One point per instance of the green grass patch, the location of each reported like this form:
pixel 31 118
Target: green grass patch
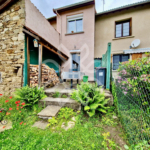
pixel 87 133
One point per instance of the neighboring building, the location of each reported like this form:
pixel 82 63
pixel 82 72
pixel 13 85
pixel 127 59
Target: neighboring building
pixel 69 40
pixel 121 26
pixel 76 25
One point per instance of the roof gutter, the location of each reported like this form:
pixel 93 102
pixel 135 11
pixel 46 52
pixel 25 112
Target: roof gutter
pixel 123 7
pixel 73 6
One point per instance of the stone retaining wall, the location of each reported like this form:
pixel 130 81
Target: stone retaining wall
pixel 12 20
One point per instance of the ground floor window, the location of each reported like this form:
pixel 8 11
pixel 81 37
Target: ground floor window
pixel 119 58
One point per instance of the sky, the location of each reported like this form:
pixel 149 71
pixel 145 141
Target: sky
pixel 46 6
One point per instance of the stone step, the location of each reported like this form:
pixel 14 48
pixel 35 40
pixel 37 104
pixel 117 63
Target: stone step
pixel 40 124
pixel 61 102
pixel 49 111
pixel 63 92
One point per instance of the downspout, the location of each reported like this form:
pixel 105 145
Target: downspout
pixel 61 27
pixel 60 38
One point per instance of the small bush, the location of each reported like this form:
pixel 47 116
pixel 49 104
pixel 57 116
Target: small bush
pixel 64 96
pixel 91 98
pixel 29 95
pixel 66 113
pixel 56 95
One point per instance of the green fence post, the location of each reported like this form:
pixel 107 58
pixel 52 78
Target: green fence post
pixel 108 66
pixel 103 60
pixel 25 72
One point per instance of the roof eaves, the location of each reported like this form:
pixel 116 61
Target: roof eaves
pixel 140 50
pixel 36 34
pixel 80 4
pixel 123 7
pixel 5 3
pixel 52 18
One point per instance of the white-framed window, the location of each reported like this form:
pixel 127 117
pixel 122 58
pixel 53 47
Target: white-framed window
pixel 75 23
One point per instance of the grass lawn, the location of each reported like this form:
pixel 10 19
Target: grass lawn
pixel 88 133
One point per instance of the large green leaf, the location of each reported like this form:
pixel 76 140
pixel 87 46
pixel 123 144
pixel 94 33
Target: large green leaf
pixel 91 113
pixel 94 106
pixel 102 110
pixel 86 108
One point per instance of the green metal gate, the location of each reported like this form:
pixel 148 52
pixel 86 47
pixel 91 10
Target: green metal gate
pixel 97 63
pixel 106 62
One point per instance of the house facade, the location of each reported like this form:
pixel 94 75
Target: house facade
pixel 121 27
pixel 77 36
pixel 69 41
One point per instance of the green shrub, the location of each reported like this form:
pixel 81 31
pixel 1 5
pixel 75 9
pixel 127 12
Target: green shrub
pixel 64 96
pixel 52 122
pixel 29 95
pixel 56 95
pixel 91 98
pixel 66 113
pixel 134 80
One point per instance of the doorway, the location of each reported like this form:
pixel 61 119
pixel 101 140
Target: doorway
pixel 75 62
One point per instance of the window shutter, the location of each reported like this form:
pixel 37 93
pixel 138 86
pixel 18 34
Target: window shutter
pixel 130 26
pixel 136 56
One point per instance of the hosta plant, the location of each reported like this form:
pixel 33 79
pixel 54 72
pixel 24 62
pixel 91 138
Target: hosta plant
pixel 30 95
pixel 91 98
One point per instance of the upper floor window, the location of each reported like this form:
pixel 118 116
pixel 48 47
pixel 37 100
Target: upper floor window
pixel 123 28
pixel 75 23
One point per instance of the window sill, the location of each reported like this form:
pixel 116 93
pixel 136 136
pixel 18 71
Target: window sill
pixel 114 71
pixel 74 33
pixel 123 37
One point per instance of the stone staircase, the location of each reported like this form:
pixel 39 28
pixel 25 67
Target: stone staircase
pixel 53 105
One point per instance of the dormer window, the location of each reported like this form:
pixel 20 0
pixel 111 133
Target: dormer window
pixel 75 23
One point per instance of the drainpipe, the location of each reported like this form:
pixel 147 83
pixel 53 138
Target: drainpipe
pixel 60 38
pixel 60 24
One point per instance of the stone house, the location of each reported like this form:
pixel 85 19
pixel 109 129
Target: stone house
pixel 73 39
pixel 20 24
pixel 12 18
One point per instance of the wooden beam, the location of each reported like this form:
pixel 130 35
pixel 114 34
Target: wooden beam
pixel 28 61
pixel 5 3
pixel 31 34
pixel 52 50
pixel 40 65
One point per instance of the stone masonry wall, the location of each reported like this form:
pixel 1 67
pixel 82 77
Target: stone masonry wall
pixel 12 20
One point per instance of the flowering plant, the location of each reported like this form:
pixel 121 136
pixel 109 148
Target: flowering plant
pixel 134 80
